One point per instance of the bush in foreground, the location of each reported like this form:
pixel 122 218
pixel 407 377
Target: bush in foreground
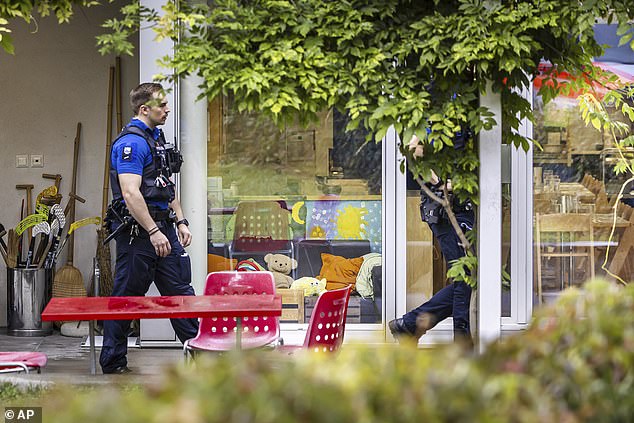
pixel 573 364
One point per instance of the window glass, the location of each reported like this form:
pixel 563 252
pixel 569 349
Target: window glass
pixel 303 202
pixel 575 189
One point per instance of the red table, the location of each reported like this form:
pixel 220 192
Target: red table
pixel 175 307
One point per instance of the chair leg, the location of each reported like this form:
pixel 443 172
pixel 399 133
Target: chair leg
pixel 186 354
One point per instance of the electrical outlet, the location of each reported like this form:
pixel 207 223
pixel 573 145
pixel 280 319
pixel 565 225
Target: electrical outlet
pixel 37 160
pixel 22 160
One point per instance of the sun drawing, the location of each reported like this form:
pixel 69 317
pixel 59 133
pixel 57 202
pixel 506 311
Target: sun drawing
pixel 350 222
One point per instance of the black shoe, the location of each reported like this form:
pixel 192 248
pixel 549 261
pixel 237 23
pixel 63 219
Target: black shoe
pixel 121 370
pixel 400 331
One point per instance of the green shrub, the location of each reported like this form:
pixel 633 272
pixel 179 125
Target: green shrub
pixel 14 394
pixel 580 351
pixel 573 364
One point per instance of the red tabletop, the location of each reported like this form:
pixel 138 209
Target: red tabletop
pixel 127 308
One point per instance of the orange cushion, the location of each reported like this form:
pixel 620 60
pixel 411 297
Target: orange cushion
pixel 339 271
pixel 216 263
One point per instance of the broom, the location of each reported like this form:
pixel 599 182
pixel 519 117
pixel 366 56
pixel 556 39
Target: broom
pixel 69 281
pixel 106 283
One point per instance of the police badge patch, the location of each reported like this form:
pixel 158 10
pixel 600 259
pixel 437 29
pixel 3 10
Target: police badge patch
pixel 126 153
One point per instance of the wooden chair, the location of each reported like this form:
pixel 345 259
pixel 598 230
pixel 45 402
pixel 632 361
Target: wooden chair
pixel 216 334
pixel 327 323
pixel 575 239
pixel 622 263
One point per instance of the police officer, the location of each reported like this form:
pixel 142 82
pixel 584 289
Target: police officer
pixel 454 299
pixel 150 249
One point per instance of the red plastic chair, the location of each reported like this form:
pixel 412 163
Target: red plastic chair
pixel 22 361
pixel 219 334
pixel 327 323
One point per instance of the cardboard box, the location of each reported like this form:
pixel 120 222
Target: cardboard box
pixel 354 309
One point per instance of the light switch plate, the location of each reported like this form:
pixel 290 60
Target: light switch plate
pixel 22 160
pixel 37 160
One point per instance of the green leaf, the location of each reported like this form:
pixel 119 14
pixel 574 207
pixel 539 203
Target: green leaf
pixel 6 43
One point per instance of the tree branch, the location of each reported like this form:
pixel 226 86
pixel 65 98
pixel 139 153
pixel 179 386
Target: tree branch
pixel 444 202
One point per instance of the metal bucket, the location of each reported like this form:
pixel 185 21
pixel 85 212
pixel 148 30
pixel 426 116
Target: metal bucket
pixel 28 292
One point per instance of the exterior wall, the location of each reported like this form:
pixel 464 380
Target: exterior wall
pixel 56 79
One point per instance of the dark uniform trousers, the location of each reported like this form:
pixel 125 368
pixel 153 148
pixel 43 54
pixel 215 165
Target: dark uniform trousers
pixel 454 299
pixel 136 268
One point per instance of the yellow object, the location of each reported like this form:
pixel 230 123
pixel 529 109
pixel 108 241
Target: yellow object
pixel 351 223
pixel 42 209
pixel 46 192
pixel 30 221
pixel 310 286
pixel 83 222
pixel 295 212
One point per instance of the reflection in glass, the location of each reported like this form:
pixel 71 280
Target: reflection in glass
pixel 304 202
pixel 575 189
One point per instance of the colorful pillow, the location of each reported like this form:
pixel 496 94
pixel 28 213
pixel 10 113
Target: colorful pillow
pixel 249 265
pixel 338 271
pixel 216 263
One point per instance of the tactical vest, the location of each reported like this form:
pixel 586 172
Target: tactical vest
pixel 155 182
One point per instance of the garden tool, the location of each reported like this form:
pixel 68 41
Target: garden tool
pixel 103 251
pixel 48 196
pixel 57 177
pixel 12 249
pixel 29 204
pixel 69 281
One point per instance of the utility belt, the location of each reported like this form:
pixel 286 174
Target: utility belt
pixel 432 211
pixel 118 220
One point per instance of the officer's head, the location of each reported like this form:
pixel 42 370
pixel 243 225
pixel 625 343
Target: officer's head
pixel 149 104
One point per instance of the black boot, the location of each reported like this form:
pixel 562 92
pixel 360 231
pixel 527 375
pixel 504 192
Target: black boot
pixel 400 332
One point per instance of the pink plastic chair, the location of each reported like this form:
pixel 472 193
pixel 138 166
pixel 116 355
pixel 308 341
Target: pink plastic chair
pixel 327 323
pixel 22 361
pixel 219 334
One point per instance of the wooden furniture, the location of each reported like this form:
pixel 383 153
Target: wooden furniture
pixel 174 307
pixel 292 305
pixel 622 263
pixel 574 238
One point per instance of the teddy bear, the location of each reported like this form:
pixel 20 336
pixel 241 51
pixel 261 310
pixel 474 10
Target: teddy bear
pixel 281 267
pixel 311 286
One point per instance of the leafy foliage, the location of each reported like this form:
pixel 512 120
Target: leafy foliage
pixel 575 363
pixel 10 393
pixel 580 351
pixel 25 10
pixel 419 66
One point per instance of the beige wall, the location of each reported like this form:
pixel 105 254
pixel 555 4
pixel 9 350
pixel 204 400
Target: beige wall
pixel 56 79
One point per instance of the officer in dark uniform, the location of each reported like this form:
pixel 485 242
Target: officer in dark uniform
pixel 146 220
pixel 453 300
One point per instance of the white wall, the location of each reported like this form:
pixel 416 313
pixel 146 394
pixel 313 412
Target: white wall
pixel 56 79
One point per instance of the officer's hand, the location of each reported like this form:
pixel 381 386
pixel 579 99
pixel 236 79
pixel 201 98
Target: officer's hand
pixel 161 244
pixel 184 235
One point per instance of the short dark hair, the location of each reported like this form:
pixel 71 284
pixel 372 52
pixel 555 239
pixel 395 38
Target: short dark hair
pixel 143 94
